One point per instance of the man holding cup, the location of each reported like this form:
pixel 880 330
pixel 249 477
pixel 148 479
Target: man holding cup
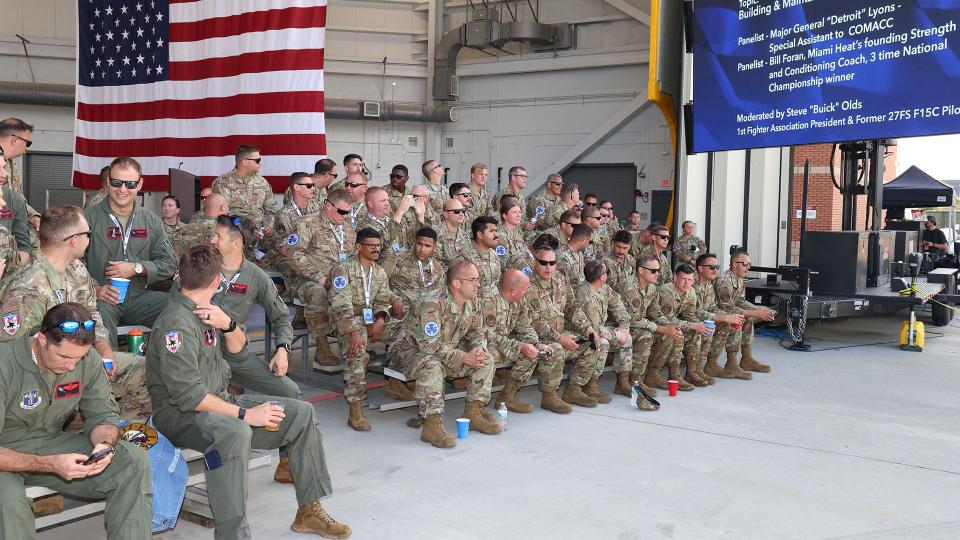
pixel 732 298
pixel 128 250
pixel 718 322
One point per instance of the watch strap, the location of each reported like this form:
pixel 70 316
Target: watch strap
pixel 241 413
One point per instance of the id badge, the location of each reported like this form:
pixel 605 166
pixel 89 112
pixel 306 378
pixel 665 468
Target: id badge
pixel 343 256
pixel 367 315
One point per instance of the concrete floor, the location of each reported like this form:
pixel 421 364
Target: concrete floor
pixel 853 443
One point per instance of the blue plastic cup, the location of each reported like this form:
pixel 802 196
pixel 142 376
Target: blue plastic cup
pixel 108 364
pixel 122 285
pixel 463 426
pixel 711 326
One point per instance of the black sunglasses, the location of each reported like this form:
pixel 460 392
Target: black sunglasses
pixel 457 210
pixel 662 236
pixel 590 203
pixel 255 160
pixel 464 194
pixel 711 266
pixel 353 185
pixel 397 176
pixel 308 186
pixel 25 141
pixel 339 211
pixel 542 262
pixel 84 233
pixel 651 270
pixel 131 184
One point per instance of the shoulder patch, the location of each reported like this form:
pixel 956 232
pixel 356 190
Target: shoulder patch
pixel 11 323
pixel 293 239
pixel 339 282
pixel 141 435
pixel 527 270
pixel 500 250
pixel 172 341
pixel 539 211
pixel 491 321
pixel 534 304
pixel 431 329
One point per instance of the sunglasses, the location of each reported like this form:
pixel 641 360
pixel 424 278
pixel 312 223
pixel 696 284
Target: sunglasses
pixel 203 198
pixel 397 176
pixel 542 262
pixel 464 194
pixel 651 270
pixel 333 174
pixel 339 211
pixel 308 186
pixel 255 160
pixel 662 236
pixel 84 233
pixel 578 206
pixel 71 327
pixel 25 141
pixel 570 223
pixel 590 204
pixel 131 184
pixel 711 266
pixel 555 183
pixel 353 184
pixel 457 210
pixel 438 166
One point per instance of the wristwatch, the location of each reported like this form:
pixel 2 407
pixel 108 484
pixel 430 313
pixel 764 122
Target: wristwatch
pixel 232 327
pixel 282 346
pixel 138 268
pixel 241 413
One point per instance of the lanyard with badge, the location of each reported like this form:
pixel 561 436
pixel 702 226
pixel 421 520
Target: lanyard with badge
pixel 126 234
pixel 367 285
pixel 296 208
pixel 340 238
pixel 423 278
pixel 223 279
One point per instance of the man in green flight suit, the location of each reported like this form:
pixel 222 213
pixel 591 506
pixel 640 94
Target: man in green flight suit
pixel 44 378
pixel 127 241
pixel 187 375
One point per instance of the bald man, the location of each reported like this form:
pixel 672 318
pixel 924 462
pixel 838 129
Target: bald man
pixel 201 227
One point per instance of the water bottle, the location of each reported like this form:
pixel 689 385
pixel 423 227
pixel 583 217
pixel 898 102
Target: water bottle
pixel 634 394
pixel 502 412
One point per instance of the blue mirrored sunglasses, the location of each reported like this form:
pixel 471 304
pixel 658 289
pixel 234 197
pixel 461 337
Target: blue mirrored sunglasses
pixel 71 327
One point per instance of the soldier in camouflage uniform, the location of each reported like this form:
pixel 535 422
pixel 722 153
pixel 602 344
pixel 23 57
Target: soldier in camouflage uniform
pixel 15 137
pixel 102 194
pixel 482 253
pixel 320 241
pixel 360 304
pixel 541 208
pixel 600 303
pixel 678 307
pixel 710 345
pixel 516 181
pixel 324 173
pixel 620 264
pixel 444 336
pixel 510 244
pixel 397 188
pixel 414 213
pixel 202 225
pixel 355 184
pixel 439 195
pixel 479 199
pixel 608 223
pixel 452 235
pixel 591 218
pixel 556 213
pixel 303 202
pixel 564 227
pixel 379 218
pixel 731 298
pixel 56 275
pixel 659 238
pixel 248 194
pixel 416 274
pixel 688 247
pixel 14 240
pixel 570 258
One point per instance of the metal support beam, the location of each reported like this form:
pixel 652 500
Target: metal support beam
pixel 432 133
pixel 591 141
pixel 630 10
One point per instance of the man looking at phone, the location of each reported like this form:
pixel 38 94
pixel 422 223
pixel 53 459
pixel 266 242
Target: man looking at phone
pixel 47 376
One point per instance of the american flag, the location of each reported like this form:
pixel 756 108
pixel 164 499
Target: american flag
pixel 171 81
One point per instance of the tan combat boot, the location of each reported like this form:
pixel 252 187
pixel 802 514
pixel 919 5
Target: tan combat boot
pixel 638 377
pixel 692 376
pixel 282 474
pixel 509 396
pixel 397 390
pixel 323 355
pixel 550 402
pixel 749 363
pixel 712 368
pixel 623 384
pixel 710 380
pixel 478 422
pixel 592 389
pixel 573 394
pixel 654 376
pixel 434 433
pixel 675 375
pixel 312 519
pixel 356 419
pixel 732 371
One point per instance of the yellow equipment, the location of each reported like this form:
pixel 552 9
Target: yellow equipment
pixel 912 334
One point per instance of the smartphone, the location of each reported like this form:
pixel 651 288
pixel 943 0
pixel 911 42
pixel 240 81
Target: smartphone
pixel 97 456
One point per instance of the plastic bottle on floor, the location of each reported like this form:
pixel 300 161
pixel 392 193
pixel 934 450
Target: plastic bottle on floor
pixel 502 412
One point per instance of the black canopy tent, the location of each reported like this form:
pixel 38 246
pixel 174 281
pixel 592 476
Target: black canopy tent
pixel 916 189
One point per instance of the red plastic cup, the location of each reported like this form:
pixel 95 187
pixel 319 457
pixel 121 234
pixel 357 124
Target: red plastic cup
pixel 736 326
pixel 672 387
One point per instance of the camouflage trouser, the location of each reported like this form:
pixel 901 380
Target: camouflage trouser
pixel 551 369
pixel 355 368
pixel 315 308
pixel 742 337
pixel 588 363
pixel 713 346
pixel 642 345
pixel 429 371
pixel 130 386
pixel 666 351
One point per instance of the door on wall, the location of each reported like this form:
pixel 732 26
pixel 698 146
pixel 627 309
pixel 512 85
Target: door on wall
pixel 614 182
pixel 47 180
pixel 660 205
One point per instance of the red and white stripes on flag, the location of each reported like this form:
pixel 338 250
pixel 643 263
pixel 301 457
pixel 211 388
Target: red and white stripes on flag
pixel 237 72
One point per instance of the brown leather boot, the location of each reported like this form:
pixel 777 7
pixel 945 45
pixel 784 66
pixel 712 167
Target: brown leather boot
pixel 675 375
pixel 356 419
pixel 550 402
pixel 282 474
pixel 434 433
pixel 710 380
pixel 654 377
pixel 460 383
pixel 478 422
pixel 592 389
pixel 46 506
pixel 509 396
pixel 623 384
pixel 312 519
pixel 712 368
pixel 573 394
pixel 299 320
pixel 323 355
pixel 637 376
pixel 692 376
pixel 732 371
pixel 397 390
pixel 749 363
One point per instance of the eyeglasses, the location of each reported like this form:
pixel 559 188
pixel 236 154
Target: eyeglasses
pixel 131 184
pixel 662 236
pixel 651 270
pixel 354 184
pixel 710 266
pixel 339 211
pixel 476 279
pixel 421 196
pixel 397 176
pixel 71 327
pixel 333 174
pixel 594 217
pixel 463 194
pixel 308 186
pixel 255 160
pixel 84 233
pixel 741 263
pixel 438 166
pixel 570 223
pixel 27 142
pixel 519 175
pixel 457 210
pixel 371 246
pixel 542 262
